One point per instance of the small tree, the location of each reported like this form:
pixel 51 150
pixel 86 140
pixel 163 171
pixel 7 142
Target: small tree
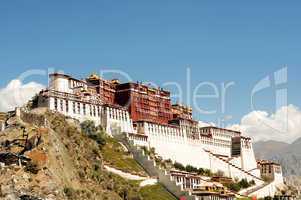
pixel 190 168
pixel 201 171
pixel 96 133
pixel 179 166
pixel 207 172
pixel 233 187
pixel 244 183
pixel 252 182
pixel 88 127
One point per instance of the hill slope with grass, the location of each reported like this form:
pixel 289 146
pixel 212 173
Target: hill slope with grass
pixel 58 158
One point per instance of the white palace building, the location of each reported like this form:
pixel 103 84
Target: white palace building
pixel 182 139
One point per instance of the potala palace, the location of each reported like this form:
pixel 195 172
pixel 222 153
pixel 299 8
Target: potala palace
pixel 149 119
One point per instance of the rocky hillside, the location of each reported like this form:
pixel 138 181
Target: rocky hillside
pixel 46 156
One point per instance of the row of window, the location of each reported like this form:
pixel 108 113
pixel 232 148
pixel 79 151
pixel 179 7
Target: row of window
pixel 143 139
pixel 87 109
pixel 74 83
pixel 118 115
pixel 266 169
pixel 184 180
pixel 223 135
pixel 164 129
pixel 94 111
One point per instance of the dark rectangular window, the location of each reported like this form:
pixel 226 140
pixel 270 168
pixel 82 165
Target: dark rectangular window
pixel 61 105
pixel 74 108
pixel 55 104
pixel 78 108
pixel 67 106
pixel 84 108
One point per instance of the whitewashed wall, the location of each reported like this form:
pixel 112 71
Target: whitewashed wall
pixel 79 113
pixel 269 190
pixel 60 83
pixel 172 143
pixel 117 120
pixel 248 159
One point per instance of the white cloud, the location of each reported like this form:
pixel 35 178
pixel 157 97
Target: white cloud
pixel 17 94
pixel 283 125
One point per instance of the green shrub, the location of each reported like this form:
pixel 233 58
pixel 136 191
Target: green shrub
pixel 88 127
pixel 179 166
pixel 207 172
pixel 95 133
pixel 190 168
pixel 234 187
pixel 244 183
pixel 201 171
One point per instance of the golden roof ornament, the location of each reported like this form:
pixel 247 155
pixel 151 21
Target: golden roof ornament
pixel 94 76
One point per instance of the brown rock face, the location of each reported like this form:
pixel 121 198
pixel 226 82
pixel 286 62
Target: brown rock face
pixel 38 157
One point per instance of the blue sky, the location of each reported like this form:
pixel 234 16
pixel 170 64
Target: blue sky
pixel 220 41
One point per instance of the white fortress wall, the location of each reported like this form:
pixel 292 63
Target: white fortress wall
pixel 76 110
pixel 278 178
pixel 236 161
pixel 180 151
pixel 116 119
pixel 269 190
pixel 59 83
pixel 65 83
pixel 139 140
pixel 248 159
pixel 172 143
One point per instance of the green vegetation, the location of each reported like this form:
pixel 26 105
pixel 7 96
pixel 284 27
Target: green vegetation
pixel 189 168
pixel 155 192
pixel 115 155
pixel 242 184
pixel 167 164
pixel 179 166
pixel 93 132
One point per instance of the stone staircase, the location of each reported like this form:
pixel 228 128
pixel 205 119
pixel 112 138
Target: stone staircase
pixel 247 191
pixel 234 166
pixel 153 170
